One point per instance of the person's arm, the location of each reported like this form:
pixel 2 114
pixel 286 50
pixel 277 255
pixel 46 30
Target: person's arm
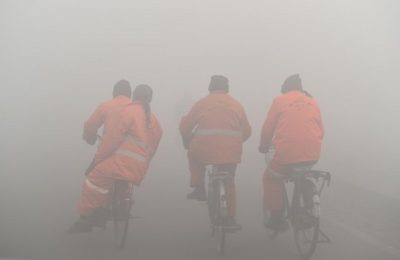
pixel 320 122
pixel 188 123
pixel 92 124
pixel 155 137
pixel 268 129
pixel 245 126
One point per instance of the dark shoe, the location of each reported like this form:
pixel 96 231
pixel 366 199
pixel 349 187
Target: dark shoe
pixel 277 222
pixel 82 225
pixel 199 193
pixel 99 217
pixel 231 224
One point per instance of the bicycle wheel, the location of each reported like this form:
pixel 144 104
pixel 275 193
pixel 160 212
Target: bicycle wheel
pixel 221 234
pixel 211 204
pixel 305 227
pixel 121 208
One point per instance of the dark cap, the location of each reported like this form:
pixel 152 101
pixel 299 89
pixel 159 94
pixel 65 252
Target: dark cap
pixel 292 83
pixel 219 82
pixel 122 88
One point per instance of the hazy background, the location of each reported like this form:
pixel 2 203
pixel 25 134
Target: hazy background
pixel 60 59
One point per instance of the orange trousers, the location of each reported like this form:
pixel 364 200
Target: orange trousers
pixel 95 192
pixel 274 186
pixel 197 178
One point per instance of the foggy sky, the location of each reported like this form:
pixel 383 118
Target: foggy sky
pixel 59 60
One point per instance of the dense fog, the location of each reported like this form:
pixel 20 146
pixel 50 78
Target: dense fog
pixel 60 59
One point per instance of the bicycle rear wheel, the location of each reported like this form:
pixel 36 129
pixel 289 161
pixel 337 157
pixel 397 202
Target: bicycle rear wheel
pixel 305 225
pixel 121 208
pixel 307 239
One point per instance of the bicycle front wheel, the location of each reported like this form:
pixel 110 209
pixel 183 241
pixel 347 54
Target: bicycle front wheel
pixel 121 226
pixel 307 239
pixel 221 234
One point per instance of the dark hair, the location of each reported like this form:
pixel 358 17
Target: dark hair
pixel 144 93
pixel 122 88
pixel 292 83
pixel 219 82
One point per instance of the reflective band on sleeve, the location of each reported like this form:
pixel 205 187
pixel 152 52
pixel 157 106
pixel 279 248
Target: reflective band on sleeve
pixel 133 140
pixel 227 132
pixel 131 154
pixel 96 188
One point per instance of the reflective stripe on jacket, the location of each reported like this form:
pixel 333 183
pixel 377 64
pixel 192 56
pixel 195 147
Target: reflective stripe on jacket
pixel 129 144
pixel 218 126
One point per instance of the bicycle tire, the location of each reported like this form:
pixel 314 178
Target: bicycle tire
pixel 221 241
pixel 307 252
pixel 121 208
pixel 211 206
pixel 310 234
pixel 121 227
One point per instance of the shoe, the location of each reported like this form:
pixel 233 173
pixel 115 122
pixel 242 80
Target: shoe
pixel 82 225
pixel 277 222
pixel 99 217
pixel 231 224
pixel 199 193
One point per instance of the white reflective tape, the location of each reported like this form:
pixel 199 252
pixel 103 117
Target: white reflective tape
pixel 131 154
pixel 133 140
pixel 96 188
pixel 227 132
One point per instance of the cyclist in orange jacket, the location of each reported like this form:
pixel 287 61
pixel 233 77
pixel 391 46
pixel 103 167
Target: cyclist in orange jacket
pixel 294 128
pixel 213 132
pixel 131 137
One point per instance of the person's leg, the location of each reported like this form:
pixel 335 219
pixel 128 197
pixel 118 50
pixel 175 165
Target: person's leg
pixel 230 194
pixel 274 196
pixel 197 179
pixel 94 196
pixel 95 192
pixel 273 188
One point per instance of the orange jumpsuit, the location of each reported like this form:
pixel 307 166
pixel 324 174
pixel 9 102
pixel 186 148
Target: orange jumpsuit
pixel 128 145
pixel 217 125
pixel 294 127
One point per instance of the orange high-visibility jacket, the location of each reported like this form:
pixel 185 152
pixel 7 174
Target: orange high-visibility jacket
pixel 294 126
pixel 128 144
pixel 104 115
pixel 218 125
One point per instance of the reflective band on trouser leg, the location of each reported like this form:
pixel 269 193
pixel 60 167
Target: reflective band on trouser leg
pixel 226 132
pixel 133 140
pixel 131 154
pixel 96 188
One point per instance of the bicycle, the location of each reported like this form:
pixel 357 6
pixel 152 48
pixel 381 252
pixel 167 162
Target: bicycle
pixel 303 211
pixel 217 205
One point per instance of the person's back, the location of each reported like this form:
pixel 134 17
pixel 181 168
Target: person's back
pixel 220 128
pixel 297 129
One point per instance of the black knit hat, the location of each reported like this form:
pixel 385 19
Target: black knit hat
pixel 219 82
pixel 122 88
pixel 292 83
